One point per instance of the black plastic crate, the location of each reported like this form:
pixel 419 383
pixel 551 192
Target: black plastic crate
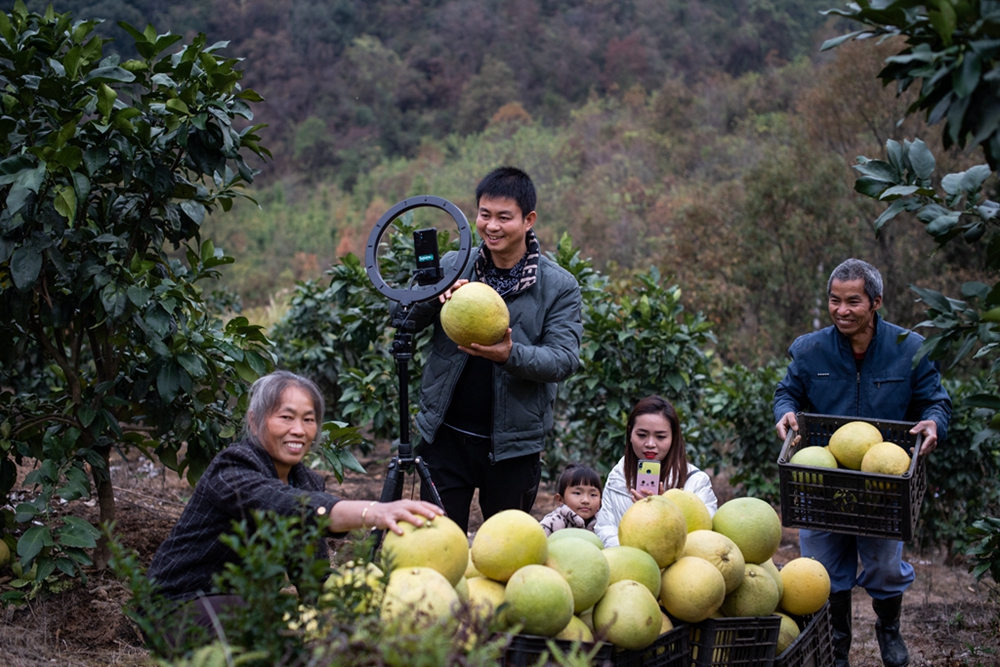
pixel 669 650
pixel 746 641
pixel 814 645
pixel 526 650
pixel 850 501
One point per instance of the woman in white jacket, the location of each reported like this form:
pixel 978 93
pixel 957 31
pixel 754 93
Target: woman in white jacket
pixel 653 433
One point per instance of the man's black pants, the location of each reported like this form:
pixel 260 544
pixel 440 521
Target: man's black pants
pixel 459 463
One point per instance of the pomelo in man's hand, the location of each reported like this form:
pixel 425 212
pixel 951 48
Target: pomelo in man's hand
pixel 475 313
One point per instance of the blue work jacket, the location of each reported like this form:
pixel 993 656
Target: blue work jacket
pixel 824 378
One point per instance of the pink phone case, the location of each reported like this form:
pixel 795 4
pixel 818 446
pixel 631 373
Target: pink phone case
pixel 648 477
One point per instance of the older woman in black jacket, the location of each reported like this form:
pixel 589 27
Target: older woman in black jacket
pixel 263 471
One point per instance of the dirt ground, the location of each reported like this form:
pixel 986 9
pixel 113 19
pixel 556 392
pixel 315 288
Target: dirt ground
pixel 949 619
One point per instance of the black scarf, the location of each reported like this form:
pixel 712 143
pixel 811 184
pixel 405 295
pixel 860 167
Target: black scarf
pixel 518 279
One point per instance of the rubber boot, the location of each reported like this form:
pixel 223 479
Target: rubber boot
pixel 890 642
pixel 840 613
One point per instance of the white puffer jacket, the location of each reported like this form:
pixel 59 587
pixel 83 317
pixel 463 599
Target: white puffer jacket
pixel 616 499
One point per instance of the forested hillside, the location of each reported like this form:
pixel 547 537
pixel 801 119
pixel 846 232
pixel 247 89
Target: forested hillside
pixel 708 138
pixel 349 82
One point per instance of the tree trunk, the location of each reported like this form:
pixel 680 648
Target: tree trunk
pixel 106 502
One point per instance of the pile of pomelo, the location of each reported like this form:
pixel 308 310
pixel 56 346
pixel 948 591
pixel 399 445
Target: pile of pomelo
pixel 674 562
pixel 856 445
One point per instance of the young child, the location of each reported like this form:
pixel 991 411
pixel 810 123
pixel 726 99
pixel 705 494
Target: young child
pixel 653 433
pixel 580 495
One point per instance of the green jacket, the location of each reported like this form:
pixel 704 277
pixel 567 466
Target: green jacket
pixel 545 330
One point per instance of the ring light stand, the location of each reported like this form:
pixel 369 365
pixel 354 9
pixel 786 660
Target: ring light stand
pixel 402 346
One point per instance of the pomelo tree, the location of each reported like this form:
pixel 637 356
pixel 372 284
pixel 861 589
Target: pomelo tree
pixel 107 170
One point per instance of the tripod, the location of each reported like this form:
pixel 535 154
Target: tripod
pixel 429 281
pixel 404 462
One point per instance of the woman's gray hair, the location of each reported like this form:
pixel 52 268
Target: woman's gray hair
pixel 265 399
pixel 853 269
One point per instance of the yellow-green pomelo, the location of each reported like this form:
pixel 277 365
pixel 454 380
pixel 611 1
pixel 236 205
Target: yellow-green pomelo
pixel 462 588
pixel 628 615
pixel 470 569
pixel 666 625
pixel 576 631
pixel 583 567
pixel 806 586
pixel 816 457
pixel 655 525
pixel 850 442
pixel 696 513
pixel 692 589
pixel 886 458
pixel 417 598
pixel 508 541
pixel 772 570
pixel 4 554
pixel 635 564
pixel 578 533
pixel 756 596
pixel 439 543
pixel 485 596
pixel 787 633
pixel 720 551
pixel 475 313
pixel 359 582
pixel 752 524
pixel 588 618
pixel 539 600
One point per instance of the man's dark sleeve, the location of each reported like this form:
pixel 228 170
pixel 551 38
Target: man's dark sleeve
pixel 790 394
pixel 930 400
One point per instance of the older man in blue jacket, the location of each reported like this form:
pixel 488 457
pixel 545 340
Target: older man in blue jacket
pixel 861 367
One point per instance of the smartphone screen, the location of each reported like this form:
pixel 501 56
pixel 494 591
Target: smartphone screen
pixel 648 477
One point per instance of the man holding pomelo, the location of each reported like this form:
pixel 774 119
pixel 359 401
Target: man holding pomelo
pixel 859 367
pixel 485 409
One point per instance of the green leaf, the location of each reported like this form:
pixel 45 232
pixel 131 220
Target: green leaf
pixel 25 265
pixel 871 187
pixel 106 99
pixel 973 179
pixel 249 95
pixel 966 77
pixel 943 20
pixel 837 41
pixel 168 381
pixel 878 170
pixel 952 183
pixel 32 542
pixel 77 533
pixel 110 74
pixel 934 299
pixel 989 401
pixel 888 214
pixel 139 296
pixel 65 203
pixel 943 224
pixel 177 105
pixel 922 160
pixel 897 191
